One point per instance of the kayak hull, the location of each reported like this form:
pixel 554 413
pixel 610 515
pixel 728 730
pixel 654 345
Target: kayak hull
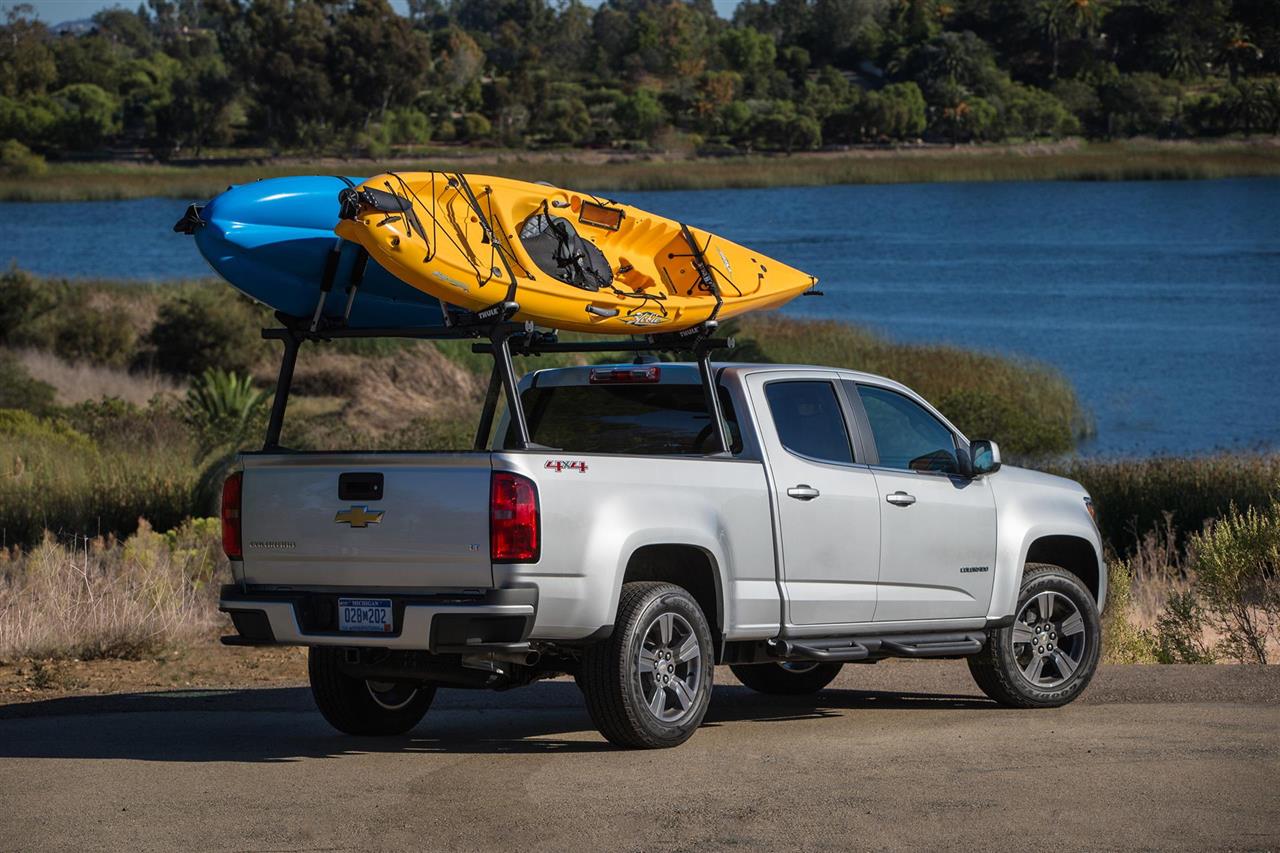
pixel 272 241
pixel 579 262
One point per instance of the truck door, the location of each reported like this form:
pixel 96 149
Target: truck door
pixel 825 498
pixel 937 527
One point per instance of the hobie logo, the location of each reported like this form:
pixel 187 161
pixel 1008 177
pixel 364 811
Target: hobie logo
pixel 644 318
pixel 725 259
pixel 559 465
pixel 451 280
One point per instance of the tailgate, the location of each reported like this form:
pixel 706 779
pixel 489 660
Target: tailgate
pixel 367 521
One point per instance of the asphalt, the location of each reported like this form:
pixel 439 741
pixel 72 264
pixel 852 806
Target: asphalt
pixel 898 755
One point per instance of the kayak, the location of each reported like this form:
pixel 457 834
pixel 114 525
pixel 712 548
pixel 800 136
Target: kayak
pixel 571 260
pixel 273 240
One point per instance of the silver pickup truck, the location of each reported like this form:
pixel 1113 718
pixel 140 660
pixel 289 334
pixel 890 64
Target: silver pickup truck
pixel 849 521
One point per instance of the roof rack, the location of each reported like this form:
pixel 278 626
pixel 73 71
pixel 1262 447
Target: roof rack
pixel 498 336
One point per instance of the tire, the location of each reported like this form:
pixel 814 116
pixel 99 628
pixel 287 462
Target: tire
pixel 786 679
pixel 1038 662
pixel 355 706
pixel 621 676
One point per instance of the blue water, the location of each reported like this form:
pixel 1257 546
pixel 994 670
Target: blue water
pixel 1159 300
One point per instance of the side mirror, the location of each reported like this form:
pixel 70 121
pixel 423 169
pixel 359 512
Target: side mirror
pixel 985 455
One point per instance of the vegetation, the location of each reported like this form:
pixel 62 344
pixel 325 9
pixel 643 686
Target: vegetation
pixel 1136 160
pixel 102 598
pixel 91 455
pixel 178 78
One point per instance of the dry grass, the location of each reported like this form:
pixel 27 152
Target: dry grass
pixel 589 170
pixel 80 381
pixel 107 599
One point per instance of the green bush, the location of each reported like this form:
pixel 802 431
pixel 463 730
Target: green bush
pixel 1122 641
pixel 18 161
pixel 1032 404
pixel 25 303
pixel 1018 430
pixel 95 334
pixel 224 409
pixel 1133 496
pixel 1180 631
pixel 18 390
pixel 1237 579
pixel 207 329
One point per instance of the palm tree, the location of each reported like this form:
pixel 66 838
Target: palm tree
pixel 1236 50
pixel 1068 19
pixel 224 409
pixel 1181 60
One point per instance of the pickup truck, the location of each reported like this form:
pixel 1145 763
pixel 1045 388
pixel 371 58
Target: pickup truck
pixel 848 522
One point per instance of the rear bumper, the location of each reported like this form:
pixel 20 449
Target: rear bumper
pixel 494 620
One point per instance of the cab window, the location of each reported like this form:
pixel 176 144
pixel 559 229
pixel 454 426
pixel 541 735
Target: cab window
pixel 809 420
pixel 906 434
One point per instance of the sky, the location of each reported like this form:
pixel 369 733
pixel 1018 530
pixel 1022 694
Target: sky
pixel 57 11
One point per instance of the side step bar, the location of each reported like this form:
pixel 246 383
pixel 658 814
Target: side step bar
pixel 846 649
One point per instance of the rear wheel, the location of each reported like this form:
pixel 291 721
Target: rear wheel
pixel 1049 654
pixel 649 684
pixel 787 678
pixel 358 706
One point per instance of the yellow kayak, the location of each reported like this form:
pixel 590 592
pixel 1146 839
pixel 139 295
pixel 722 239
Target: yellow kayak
pixel 577 261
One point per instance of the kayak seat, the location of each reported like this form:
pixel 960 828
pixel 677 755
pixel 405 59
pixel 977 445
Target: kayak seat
pixel 556 248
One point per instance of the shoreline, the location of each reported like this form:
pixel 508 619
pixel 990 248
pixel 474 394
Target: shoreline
pixel 629 171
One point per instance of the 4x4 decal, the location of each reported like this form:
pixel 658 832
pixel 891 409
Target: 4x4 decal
pixel 559 465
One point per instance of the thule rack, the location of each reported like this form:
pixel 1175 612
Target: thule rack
pixel 495 334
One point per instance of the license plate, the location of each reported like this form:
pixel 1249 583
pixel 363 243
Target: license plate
pixel 365 614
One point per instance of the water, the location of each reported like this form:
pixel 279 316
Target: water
pixel 1159 300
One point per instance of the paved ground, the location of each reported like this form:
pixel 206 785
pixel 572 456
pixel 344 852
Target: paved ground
pixel 895 755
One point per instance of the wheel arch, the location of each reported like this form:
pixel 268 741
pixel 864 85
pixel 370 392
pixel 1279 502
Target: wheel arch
pixel 1073 553
pixel 693 568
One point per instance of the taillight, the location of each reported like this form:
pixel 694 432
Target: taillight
pixel 513 519
pixel 628 375
pixel 231 490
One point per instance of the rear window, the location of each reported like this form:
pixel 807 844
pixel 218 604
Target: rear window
pixel 655 420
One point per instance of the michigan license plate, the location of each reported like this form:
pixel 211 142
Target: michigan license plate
pixel 365 614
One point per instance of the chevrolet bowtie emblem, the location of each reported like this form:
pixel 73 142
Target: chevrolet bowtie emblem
pixel 358 516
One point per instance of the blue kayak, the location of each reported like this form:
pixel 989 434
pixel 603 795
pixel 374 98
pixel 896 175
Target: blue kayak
pixel 273 240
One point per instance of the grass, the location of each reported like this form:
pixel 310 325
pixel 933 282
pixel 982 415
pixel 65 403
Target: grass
pixel 592 170
pixel 102 598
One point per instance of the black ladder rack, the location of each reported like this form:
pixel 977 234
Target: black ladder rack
pixel 502 340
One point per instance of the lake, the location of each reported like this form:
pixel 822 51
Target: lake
pixel 1159 300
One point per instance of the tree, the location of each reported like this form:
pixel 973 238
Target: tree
pixel 639 115
pixel 26 62
pixel 90 116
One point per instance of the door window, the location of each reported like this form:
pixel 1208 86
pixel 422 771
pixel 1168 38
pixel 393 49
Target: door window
pixel 907 435
pixel 809 421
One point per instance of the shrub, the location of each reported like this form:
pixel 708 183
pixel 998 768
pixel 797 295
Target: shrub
pixel 1135 495
pixel 95 334
pixel 1122 641
pixel 1037 402
pixel 1237 577
pixel 223 408
pixel 1018 430
pixel 18 390
pixel 207 329
pixel 104 599
pixel 18 161
pixel 1180 631
pixel 24 302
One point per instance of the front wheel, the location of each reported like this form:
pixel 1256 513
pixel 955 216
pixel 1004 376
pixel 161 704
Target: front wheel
pixel 358 706
pixel 1049 654
pixel 786 678
pixel 649 684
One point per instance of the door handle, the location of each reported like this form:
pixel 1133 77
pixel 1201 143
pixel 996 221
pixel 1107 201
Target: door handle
pixel 803 492
pixel 900 498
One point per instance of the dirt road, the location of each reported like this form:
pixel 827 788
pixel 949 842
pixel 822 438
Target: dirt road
pixel 892 756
